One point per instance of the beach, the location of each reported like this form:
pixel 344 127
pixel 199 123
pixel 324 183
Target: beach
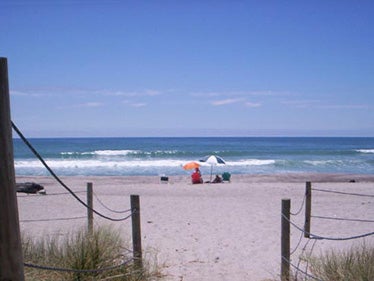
pixel 225 231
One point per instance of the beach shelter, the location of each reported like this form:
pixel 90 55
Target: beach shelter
pixel 213 160
pixel 191 165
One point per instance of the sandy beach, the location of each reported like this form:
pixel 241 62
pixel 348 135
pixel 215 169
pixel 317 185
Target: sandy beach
pixel 228 231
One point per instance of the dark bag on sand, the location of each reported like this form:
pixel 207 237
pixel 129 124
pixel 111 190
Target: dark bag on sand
pixel 29 187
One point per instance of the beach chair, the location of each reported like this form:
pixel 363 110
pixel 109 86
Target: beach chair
pixel 226 176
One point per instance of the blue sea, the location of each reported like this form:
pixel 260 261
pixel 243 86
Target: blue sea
pixel 166 156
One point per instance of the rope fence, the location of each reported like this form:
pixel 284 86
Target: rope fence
pixel 300 270
pixel 129 211
pixel 134 214
pixel 49 194
pixel 305 231
pixel 341 219
pixel 37 155
pixel 343 193
pixel 137 256
pixel 99 270
pixel 55 219
pixel 107 208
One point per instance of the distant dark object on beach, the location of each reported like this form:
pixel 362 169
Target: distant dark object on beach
pixel 30 187
pixel 352 180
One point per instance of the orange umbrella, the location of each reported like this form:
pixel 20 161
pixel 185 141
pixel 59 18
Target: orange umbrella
pixel 191 165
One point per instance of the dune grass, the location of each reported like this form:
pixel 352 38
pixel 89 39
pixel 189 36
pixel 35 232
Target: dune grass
pixel 81 251
pixel 353 264
pixel 356 264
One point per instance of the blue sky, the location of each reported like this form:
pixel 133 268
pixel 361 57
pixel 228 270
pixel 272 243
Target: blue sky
pixel 190 68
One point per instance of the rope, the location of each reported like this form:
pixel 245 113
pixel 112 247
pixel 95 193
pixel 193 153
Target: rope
pixel 301 207
pixel 64 193
pixel 302 271
pixel 345 193
pixel 342 238
pixel 300 258
pixel 50 194
pixel 59 219
pixel 313 236
pixel 302 253
pixel 109 209
pixel 58 179
pixel 77 270
pixel 298 244
pixel 341 219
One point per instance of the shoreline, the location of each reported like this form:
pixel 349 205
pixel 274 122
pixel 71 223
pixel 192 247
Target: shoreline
pixel 250 178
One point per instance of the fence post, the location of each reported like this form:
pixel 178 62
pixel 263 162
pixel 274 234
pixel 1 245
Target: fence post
pixel 11 258
pixel 136 231
pixel 285 240
pixel 308 208
pixel 90 209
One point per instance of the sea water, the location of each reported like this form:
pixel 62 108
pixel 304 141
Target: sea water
pixel 166 156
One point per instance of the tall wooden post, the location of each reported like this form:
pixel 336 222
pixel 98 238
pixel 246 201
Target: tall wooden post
pixel 90 209
pixel 285 240
pixel 11 258
pixel 136 231
pixel 308 208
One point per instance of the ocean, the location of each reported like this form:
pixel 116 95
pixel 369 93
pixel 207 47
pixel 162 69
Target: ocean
pixel 166 156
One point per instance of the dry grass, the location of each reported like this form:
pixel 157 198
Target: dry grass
pixel 355 264
pixel 83 251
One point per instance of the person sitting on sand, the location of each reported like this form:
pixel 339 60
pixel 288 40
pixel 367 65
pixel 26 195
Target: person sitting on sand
pixel 196 176
pixel 217 179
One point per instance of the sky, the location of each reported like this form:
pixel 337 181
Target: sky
pixel 90 68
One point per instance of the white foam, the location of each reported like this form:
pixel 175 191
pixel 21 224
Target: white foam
pixel 104 152
pixel 98 164
pixel 115 152
pixel 323 162
pixel 365 150
pixel 251 162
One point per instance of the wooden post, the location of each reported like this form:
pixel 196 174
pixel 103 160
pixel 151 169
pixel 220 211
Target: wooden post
pixel 308 208
pixel 285 240
pixel 136 231
pixel 90 209
pixel 11 258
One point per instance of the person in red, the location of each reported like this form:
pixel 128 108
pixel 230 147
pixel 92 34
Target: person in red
pixel 196 176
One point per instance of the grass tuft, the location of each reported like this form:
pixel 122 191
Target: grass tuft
pixel 356 264
pixel 83 251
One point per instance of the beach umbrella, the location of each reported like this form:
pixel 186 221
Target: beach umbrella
pixel 213 160
pixel 191 165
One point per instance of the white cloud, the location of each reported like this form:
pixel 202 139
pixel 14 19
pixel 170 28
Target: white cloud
pixel 144 93
pixel 140 104
pixel 321 104
pixel 235 100
pixel 268 93
pixel 301 103
pixel 151 93
pixel 90 104
pixel 207 94
pixel 134 104
pixel 18 93
pixel 226 101
pixel 28 94
pixel 344 106
pixel 253 104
